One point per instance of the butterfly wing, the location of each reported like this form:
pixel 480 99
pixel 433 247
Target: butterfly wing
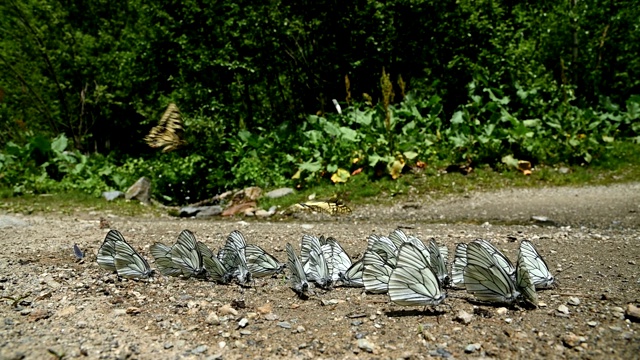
pixel 299 282
pixel 338 261
pixel 77 252
pixel 214 267
pixel 375 275
pixel 501 259
pixel 413 281
pixel 536 266
pixel 162 256
pixel 485 278
pixel 107 252
pixel 523 281
pixel 168 133
pixel 261 263
pixel 353 276
pixel 459 263
pixel 129 264
pixel 437 262
pixel 186 256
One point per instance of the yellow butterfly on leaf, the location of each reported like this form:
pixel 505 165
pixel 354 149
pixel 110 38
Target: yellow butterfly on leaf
pixel 168 133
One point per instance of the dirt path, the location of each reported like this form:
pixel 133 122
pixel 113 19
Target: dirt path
pixel 79 310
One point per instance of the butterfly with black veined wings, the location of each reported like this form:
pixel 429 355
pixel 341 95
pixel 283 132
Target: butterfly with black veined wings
pixel 535 264
pixel 186 256
pixel 214 267
pixel 338 261
pixel 129 264
pixel 316 267
pixel 162 256
pixel 168 133
pixel 501 259
pixel 353 276
pixel 384 247
pixel 375 274
pixel 485 278
pixel 459 263
pixel 107 252
pixel 233 257
pixel 261 263
pixel 413 281
pixel 523 281
pixel 437 261
pixel 328 207
pixel 299 282
pixel 307 243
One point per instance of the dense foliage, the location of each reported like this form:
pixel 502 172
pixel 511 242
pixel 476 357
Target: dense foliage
pixel 465 81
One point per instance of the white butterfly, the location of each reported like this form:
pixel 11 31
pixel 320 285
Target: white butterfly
pixel 338 261
pixel 501 259
pixel 162 255
pixel 375 275
pixel 214 267
pixel 413 281
pixel 438 261
pixel 353 276
pixel 459 263
pixel 261 263
pixel 535 264
pixel 485 278
pixel 299 282
pixel 107 252
pixel 523 281
pixel 129 263
pixel 186 256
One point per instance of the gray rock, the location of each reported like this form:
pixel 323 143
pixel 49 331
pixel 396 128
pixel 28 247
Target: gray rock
pixel 168 345
pixel 7 221
pixel 471 348
pixel 112 195
pixel 284 325
pixel 243 322
pixel 573 301
pixel 365 345
pixel 200 211
pixel 140 191
pixel 464 317
pixel 200 349
pixel 209 211
pixel 279 193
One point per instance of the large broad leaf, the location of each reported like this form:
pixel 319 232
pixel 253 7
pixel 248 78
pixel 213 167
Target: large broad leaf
pixel 510 160
pixel 311 166
pixel 410 155
pixel 349 134
pixel 361 117
pixel 340 176
pixel 457 118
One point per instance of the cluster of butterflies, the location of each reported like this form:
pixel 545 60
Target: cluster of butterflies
pixel 410 271
pixel 168 133
pixel 413 273
pixel 236 261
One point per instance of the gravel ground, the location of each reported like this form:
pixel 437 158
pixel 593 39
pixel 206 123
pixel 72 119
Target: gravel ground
pixel 55 305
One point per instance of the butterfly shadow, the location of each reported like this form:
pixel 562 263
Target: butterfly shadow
pixel 414 312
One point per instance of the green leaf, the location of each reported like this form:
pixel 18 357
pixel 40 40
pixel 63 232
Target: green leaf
pixel 349 134
pixel 608 139
pixel 510 160
pixel 59 144
pixel 532 122
pixel 410 155
pixel 457 118
pixel 311 166
pixel 332 168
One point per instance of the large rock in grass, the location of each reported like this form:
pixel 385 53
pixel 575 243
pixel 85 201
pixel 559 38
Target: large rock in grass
pixel 140 191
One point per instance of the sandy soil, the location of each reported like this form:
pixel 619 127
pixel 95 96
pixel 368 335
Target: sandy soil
pixel 55 305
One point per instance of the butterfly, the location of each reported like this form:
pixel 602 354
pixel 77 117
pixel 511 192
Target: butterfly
pixel 129 264
pixel 338 261
pixel 413 281
pixel 77 252
pixel 535 264
pixel 501 259
pixel 168 133
pixel 233 257
pixel 438 261
pixel 333 207
pixel 383 247
pixel 524 284
pixel 261 263
pixel 214 267
pixel 459 263
pixel 107 252
pixel 316 267
pixel 353 276
pixel 299 282
pixel 186 256
pixel 485 278
pixel 375 274
pixel 308 243
pixel 162 256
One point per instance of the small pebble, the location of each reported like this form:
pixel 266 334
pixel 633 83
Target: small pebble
pixel 200 349
pixel 227 310
pixel 501 311
pixel 572 340
pixel 563 309
pixel 168 345
pixel 573 301
pixel 243 322
pixel 471 348
pixel 592 323
pixel 464 317
pixel 271 317
pixel 365 345
pixel 245 332
pixel 300 329
pixel 284 325
pixel 212 319
pixel 633 313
